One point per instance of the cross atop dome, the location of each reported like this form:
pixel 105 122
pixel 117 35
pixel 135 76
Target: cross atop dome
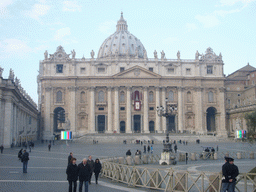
pixel 121 24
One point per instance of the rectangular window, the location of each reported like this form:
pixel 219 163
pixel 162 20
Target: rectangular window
pixel 101 108
pixel 151 108
pixel 209 69
pixel 122 108
pixel 151 69
pixel 171 70
pixel 101 70
pixel 188 71
pixel 59 68
pixel 82 70
pixel 121 69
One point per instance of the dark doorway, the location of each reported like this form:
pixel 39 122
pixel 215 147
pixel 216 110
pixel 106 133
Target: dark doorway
pixel 59 119
pixel 211 112
pixel 171 124
pixel 101 123
pixel 122 127
pixel 137 124
pixel 151 126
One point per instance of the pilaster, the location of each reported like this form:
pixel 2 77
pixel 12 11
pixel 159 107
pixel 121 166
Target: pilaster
pixel 116 111
pixel 180 109
pixel 47 121
pixel 110 119
pixel 92 110
pixel 145 117
pixel 128 111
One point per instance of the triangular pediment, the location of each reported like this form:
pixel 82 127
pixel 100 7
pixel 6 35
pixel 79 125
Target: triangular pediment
pixel 137 72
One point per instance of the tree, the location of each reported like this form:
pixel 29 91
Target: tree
pixel 251 125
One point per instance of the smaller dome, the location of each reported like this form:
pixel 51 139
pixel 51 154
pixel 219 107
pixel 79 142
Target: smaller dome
pixel 122 43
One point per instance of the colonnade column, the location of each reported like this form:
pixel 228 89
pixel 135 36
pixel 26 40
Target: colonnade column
pixel 116 111
pixel 110 120
pixel 180 109
pixel 164 105
pixel 47 122
pixel 128 111
pixel 145 118
pixel 158 122
pixel 221 129
pixel 199 113
pixel 8 123
pixel 92 110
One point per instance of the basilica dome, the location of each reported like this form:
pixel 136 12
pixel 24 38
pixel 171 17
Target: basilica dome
pixel 122 43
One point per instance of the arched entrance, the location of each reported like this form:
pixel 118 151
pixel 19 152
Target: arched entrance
pixel 122 127
pixel 151 126
pixel 211 113
pixel 59 119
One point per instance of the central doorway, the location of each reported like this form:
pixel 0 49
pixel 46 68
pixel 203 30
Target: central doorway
pixel 171 124
pixel 137 123
pixel 59 119
pixel 211 112
pixel 101 123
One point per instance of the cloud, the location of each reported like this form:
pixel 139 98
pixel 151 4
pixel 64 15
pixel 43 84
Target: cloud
pixel 71 6
pixel 4 12
pixel 208 20
pixel 37 11
pixel 191 27
pixel 62 33
pixel 232 2
pixel 107 27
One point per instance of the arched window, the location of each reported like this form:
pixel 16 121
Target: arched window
pixel 82 97
pixel 170 96
pixel 151 97
pixel 101 96
pixel 189 96
pixel 210 96
pixel 122 96
pixel 59 97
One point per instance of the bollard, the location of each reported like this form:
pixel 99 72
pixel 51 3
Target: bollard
pixel 212 155
pixel 193 157
pixel 252 155
pixel 145 159
pixel 137 160
pixel 239 155
pixel 215 156
pixel 129 160
pixel 121 160
pixel 182 157
pixel 214 179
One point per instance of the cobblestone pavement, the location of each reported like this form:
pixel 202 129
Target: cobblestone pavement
pixel 46 169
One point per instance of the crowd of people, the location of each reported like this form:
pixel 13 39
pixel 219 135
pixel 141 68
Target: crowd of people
pixel 82 172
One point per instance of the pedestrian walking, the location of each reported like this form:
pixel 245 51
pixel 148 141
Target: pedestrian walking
pixel 83 174
pixel 175 148
pixel 70 157
pixel 2 148
pixel 72 175
pixel 24 160
pixel 148 148
pixel 49 147
pixel 91 164
pixel 97 169
pixel 20 154
pixel 151 148
pixel 145 149
pixel 230 172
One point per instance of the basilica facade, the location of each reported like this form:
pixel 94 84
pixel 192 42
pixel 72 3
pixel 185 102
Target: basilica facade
pixel 119 90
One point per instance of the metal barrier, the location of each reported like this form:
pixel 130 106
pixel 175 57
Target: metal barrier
pixel 170 180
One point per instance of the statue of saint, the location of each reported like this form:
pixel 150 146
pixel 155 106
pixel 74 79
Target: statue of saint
pixel 73 54
pixel 197 55
pixel 145 54
pixel 11 74
pixel 92 54
pixel 155 54
pixel 162 55
pixel 178 55
pixel 46 55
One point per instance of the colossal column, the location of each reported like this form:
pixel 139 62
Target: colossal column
pixel 92 110
pixel 158 122
pixel 199 111
pixel 110 119
pixel 128 111
pixel 48 132
pixel 164 105
pixel 145 119
pixel 116 111
pixel 221 129
pixel 180 109
pixel 72 108
pixel 8 123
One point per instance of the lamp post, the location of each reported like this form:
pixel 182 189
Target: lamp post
pixel 166 112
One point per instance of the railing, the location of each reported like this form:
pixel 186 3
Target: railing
pixel 171 180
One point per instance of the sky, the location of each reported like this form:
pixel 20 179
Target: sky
pixel 29 27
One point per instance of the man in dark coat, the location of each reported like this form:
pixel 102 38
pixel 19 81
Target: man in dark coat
pixel 72 174
pixel 24 160
pixel 84 175
pixel 97 169
pixel 91 164
pixel 230 172
pixel 128 153
pixel 70 157
pixel 175 148
pixel 2 148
